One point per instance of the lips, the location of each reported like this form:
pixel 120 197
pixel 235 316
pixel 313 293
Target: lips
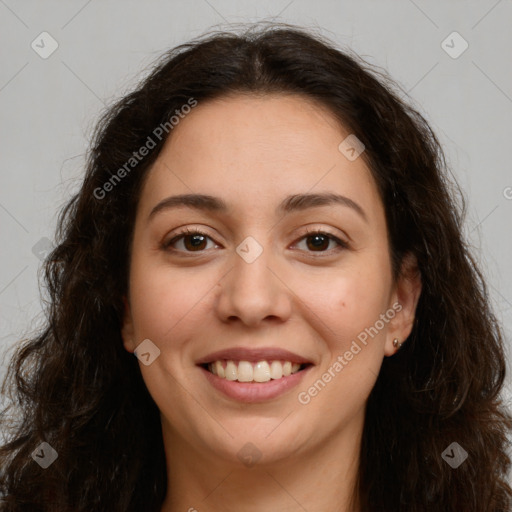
pixel 253 355
pixel 230 371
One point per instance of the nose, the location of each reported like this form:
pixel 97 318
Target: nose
pixel 253 292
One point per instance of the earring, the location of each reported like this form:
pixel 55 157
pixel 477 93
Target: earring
pixel 396 343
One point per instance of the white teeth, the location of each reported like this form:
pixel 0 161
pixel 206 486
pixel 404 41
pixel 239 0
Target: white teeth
pixel 231 371
pixel 276 370
pixel 245 371
pixel 261 372
pixel 219 369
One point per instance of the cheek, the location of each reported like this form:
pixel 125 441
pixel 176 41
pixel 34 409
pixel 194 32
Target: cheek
pixel 349 309
pixel 167 302
pixel 158 302
pixel 348 301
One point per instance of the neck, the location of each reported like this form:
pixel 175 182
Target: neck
pixel 318 480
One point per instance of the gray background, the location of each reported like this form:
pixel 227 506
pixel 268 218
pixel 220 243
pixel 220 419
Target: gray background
pixel 49 107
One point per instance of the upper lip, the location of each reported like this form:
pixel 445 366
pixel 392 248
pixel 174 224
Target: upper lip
pixel 254 355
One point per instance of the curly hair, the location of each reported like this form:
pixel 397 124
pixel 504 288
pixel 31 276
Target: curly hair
pixel 74 386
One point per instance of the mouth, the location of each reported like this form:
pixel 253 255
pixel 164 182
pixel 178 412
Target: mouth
pixel 254 375
pixel 253 372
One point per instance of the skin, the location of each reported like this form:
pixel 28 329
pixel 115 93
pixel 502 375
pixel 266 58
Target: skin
pixel 253 151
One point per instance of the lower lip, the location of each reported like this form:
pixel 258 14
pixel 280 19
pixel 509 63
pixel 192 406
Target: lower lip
pixel 252 392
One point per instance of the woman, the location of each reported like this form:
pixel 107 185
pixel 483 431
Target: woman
pixel 270 231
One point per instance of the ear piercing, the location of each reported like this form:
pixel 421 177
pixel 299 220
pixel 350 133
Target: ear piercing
pixel 397 344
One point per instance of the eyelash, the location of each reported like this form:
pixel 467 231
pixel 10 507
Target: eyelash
pixel 341 243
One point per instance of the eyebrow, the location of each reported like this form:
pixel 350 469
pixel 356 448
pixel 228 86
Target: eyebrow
pixel 292 203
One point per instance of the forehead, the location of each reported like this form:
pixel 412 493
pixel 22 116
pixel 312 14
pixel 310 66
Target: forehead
pixel 253 149
pixel 270 128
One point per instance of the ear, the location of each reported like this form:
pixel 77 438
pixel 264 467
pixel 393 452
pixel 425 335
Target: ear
pixel 127 332
pixel 404 300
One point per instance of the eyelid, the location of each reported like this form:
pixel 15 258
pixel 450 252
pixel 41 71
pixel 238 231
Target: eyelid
pixel 184 232
pixel 342 244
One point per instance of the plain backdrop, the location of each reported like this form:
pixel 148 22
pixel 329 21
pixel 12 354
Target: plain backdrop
pixel 50 103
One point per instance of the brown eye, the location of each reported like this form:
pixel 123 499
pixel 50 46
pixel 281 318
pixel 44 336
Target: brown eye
pixel 191 241
pixel 194 242
pixel 318 241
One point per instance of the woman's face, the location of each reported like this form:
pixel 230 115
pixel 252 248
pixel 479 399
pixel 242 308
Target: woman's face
pixel 281 272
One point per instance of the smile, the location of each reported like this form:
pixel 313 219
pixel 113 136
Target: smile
pixel 246 371
pixel 254 374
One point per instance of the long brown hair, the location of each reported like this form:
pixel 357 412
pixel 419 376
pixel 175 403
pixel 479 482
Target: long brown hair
pixel 74 386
